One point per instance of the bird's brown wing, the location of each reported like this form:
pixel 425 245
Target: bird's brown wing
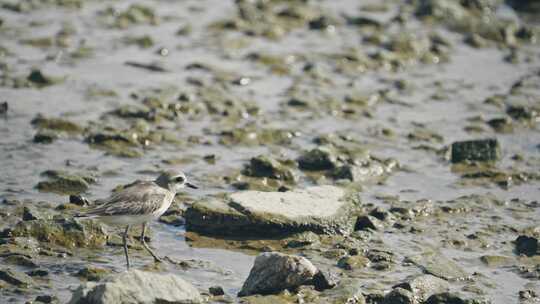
pixel 138 199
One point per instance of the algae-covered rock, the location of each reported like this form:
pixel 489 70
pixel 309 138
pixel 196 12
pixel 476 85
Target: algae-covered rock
pixel 273 272
pixel 56 124
pixel 62 182
pixel 92 273
pixel 353 262
pixel 321 158
pixel 452 298
pixel 264 166
pixel 347 291
pixel 137 286
pixel 475 150
pixel 67 233
pixel 323 209
pixel 14 277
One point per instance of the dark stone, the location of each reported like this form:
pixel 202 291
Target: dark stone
pixel 3 107
pixel 318 159
pixel 37 77
pixel 368 222
pixel 38 273
pixel 527 6
pixel 30 214
pixel 527 245
pixel 521 113
pixel 46 299
pixel 380 214
pixel 447 298
pixel 502 125
pixel 399 296
pixel 78 200
pixel 216 291
pixel 325 279
pixel 44 137
pixel 475 150
pixel 321 23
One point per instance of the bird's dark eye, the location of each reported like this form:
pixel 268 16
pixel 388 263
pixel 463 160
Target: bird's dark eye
pixel 180 179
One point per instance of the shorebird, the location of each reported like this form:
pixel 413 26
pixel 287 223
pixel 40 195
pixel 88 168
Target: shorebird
pixel 139 203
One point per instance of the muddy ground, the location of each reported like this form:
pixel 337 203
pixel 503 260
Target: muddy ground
pixel 96 94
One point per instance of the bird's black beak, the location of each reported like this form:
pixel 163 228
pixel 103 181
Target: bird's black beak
pixel 192 186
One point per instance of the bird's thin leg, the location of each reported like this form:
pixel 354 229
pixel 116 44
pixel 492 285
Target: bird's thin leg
pixel 156 258
pixel 124 238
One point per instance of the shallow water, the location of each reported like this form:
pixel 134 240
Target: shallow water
pixel 466 81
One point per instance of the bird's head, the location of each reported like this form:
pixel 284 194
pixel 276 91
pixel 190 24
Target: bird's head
pixel 174 181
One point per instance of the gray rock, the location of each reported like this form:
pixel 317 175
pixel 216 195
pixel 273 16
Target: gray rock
pixel 439 266
pixel 14 277
pixel 424 286
pixel 273 272
pixel 136 286
pixel 323 209
pixel 475 150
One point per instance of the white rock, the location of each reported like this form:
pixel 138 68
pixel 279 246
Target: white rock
pixel 138 287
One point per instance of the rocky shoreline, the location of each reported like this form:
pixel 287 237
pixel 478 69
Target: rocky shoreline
pixel 346 152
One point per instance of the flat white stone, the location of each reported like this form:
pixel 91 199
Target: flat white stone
pixel 317 202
